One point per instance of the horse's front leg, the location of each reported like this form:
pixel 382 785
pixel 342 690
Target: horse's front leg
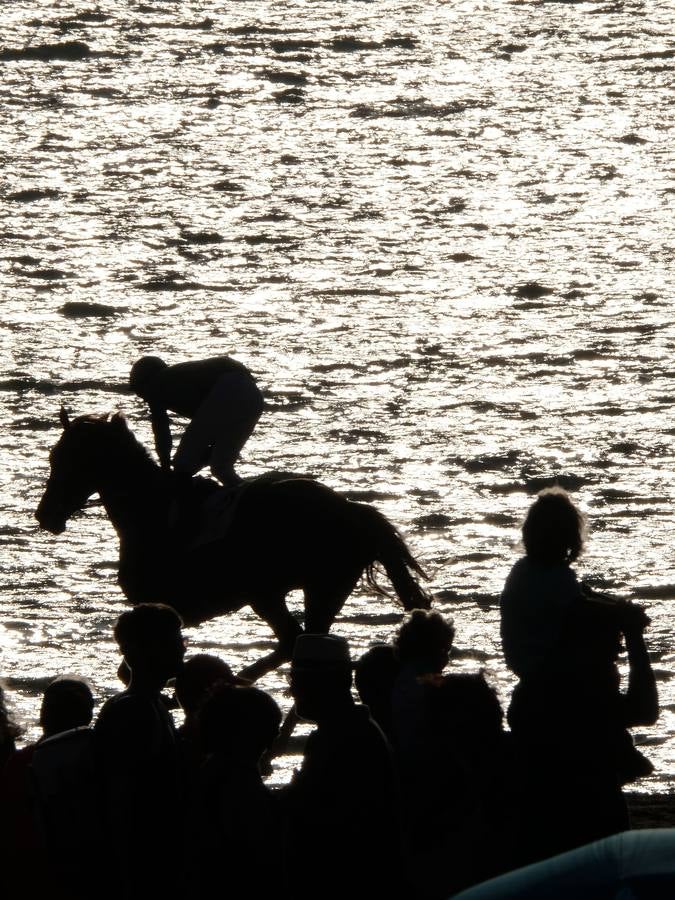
pixel 325 597
pixel 273 610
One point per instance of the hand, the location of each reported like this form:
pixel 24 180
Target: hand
pixel 634 618
pixel 265 766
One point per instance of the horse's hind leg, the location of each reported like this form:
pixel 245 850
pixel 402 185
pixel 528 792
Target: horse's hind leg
pixel 273 610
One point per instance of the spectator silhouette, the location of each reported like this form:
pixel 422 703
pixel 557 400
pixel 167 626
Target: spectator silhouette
pixel 344 831
pixel 193 683
pixel 136 748
pixel 375 674
pixel 423 644
pixel 67 703
pixel 465 800
pixel 567 714
pixel 9 732
pixel 234 826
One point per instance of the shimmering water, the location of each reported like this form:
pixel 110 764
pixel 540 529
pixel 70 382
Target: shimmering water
pixel 440 233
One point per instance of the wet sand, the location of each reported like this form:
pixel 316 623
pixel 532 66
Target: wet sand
pixel 652 810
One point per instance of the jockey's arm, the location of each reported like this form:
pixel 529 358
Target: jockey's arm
pixel 161 428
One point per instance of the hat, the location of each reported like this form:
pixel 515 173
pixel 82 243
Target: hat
pixel 321 650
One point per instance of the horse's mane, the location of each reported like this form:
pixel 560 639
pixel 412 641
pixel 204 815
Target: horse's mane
pixel 118 438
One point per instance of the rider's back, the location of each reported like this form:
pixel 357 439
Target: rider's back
pixel 184 386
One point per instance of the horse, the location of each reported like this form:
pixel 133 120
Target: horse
pixel 286 533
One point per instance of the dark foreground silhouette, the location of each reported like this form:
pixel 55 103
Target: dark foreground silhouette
pixel 286 534
pixel 140 774
pixel 361 817
pixel 344 799
pixel 563 642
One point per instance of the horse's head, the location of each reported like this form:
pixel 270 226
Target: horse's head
pixel 78 462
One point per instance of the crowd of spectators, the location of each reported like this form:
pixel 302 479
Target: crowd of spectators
pixel 420 791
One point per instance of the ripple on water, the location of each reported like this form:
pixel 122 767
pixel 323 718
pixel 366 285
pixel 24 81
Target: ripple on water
pixel 453 251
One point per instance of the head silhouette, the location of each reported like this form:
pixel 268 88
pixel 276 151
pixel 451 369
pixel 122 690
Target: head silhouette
pixel 239 722
pixel 197 676
pixel 144 374
pixel 374 677
pixel 554 529
pixel 66 703
pixel 321 676
pixel 376 671
pixel 150 638
pixel 425 640
pixel 464 709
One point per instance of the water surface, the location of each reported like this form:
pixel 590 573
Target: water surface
pixel 440 234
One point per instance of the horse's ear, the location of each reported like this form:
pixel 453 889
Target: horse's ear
pixel 64 418
pixel 120 420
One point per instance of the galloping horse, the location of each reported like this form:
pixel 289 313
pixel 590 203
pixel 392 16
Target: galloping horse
pixel 286 534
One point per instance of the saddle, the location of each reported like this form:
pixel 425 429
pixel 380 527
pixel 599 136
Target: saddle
pixel 215 515
pixel 200 511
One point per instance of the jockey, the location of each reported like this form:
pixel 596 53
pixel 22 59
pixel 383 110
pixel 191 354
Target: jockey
pixel 220 397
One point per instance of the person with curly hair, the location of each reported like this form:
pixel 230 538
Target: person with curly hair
pixel 568 715
pixel 423 644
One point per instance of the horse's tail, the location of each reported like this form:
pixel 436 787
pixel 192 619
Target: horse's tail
pixel 388 549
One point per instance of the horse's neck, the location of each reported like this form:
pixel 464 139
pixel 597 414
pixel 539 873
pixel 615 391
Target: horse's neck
pixel 136 503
